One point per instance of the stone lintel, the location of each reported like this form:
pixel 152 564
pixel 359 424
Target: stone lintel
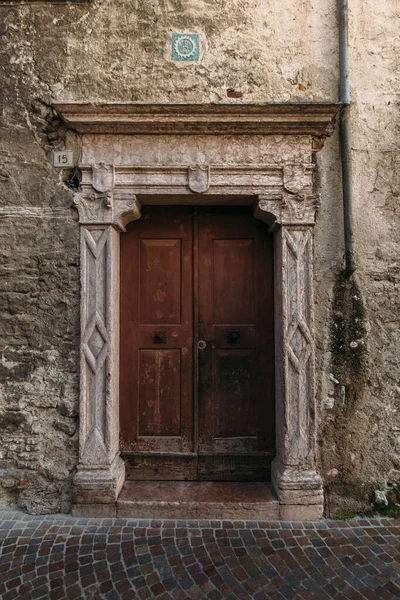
pixel 312 118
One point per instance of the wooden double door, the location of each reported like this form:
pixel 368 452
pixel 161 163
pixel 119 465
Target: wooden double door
pixel 197 364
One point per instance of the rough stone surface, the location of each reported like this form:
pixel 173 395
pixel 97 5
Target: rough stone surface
pixel 61 557
pixel 251 51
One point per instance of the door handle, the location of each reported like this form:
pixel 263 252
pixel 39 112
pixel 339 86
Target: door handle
pixel 201 345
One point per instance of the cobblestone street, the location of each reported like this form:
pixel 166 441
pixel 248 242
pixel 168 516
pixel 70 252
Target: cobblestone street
pixel 63 557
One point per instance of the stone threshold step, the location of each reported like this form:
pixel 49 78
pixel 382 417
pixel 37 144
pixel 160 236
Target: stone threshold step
pixel 198 500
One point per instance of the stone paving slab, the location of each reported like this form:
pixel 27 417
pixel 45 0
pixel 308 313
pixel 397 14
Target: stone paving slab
pixel 57 557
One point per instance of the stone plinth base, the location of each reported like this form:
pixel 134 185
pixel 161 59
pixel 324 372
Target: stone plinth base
pixel 300 493
pixel 299 512
pixel 98 488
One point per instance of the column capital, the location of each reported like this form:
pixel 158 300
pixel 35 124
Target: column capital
pixel 102 205
pixel 107 208
pixel 287 209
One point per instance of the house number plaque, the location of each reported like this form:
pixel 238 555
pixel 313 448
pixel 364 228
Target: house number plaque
pixel 63 159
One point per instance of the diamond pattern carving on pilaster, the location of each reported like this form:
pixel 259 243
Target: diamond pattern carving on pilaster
pixel 95 324
pixel 95 343
pixel 298 340
pixel 298 335
pixel 95 357
pixel 102 213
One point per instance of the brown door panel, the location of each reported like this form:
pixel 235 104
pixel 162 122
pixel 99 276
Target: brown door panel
pixel 236 378
pixel 156 332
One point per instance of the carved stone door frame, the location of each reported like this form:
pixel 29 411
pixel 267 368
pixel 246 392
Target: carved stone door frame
pixel 198 154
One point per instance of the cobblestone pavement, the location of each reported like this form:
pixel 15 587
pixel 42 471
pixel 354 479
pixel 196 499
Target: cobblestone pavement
pixel 63 557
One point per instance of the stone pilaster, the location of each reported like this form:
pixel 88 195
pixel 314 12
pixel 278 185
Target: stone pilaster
pixel 101 471
pixel 299 487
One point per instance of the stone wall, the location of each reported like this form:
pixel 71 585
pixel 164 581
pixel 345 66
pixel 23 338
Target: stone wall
pixel 251 51
pixel 359 332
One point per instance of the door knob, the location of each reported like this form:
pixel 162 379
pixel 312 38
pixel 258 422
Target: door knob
pixel 201 345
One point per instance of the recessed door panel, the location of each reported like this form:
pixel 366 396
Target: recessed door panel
pixel 233 293
pixel 234 372
pixel 160 281
pixel 160 392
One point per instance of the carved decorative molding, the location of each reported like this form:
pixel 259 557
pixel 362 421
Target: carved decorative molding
pixel 291 217
pixel 298 342
pixel 101 471
pixel 126 209
pixel 199 178
pixel 246 180
pixel 103 213
pixel 94 208
pixel 99 204
pixel 313 119
pixel 299 209
pixel 294 469
pixel 95 256
pixel 287 209
pixel 296 177
pixel 113 209
pixel 103 177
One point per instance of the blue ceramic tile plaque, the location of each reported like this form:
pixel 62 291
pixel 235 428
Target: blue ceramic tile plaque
pixel 185 47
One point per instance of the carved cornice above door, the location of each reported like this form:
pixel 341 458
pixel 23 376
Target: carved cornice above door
pixel 312 119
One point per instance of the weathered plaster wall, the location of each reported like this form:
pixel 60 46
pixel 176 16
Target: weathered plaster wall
pixel 360 440
pixel 252 50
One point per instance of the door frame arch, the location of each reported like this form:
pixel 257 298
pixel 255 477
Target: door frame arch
pixel 260 153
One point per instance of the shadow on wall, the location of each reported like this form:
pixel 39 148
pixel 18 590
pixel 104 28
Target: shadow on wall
pixel 346 490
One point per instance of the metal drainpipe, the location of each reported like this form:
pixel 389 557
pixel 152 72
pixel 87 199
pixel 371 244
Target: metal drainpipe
pixel 345 145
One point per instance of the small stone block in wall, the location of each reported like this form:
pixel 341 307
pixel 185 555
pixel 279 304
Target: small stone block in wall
pixel 185 47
